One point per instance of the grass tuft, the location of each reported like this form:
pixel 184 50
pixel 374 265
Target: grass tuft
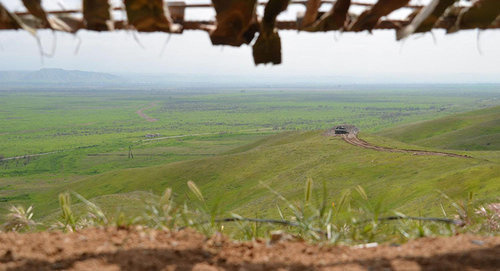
pixel 19 219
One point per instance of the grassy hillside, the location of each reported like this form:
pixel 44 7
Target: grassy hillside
pixel 220 141
pixel 399 181
pixel 476 130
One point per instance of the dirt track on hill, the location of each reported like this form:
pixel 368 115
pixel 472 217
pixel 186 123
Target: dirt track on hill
pixel 354 140
pixel 139 249
pixel 28 156
pixel 143 115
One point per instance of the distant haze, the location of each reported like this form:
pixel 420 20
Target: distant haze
pixel 56 76
pixel 60 79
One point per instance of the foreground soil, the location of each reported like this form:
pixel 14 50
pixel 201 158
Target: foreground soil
pixel 140 249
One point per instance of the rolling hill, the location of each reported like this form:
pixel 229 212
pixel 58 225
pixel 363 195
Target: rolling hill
pixel 476 130
pixel 56 76
pixel 399 181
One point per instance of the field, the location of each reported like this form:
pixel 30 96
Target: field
pixel 228 142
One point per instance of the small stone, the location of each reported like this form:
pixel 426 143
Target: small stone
pixel 279 236
pixel 276 236
pixel 477 242
pixel 368 245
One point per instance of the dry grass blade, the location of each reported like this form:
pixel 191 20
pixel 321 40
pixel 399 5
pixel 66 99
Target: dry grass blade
pixel 196 191
pixel 361 192
pixel 93 209
pixel 280 212
pixel 166 200
pixel 167 195
pixel 344 201
pixel 308 191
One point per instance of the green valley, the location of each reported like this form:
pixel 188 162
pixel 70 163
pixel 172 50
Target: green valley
pixel 233 143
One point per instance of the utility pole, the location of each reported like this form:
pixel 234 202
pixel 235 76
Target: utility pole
pixel 130 154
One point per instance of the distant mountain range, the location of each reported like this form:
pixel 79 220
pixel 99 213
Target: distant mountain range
pixel 70 79
pixel 57 76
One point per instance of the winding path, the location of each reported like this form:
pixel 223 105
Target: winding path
pixel 353 139
pixel 143 115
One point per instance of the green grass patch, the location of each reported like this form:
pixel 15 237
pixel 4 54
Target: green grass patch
pixel 476 130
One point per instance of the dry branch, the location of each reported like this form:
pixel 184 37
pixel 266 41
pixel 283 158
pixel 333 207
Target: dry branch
pixel 237 21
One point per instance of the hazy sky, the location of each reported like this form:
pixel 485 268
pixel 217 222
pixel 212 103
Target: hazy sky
pixel 377 56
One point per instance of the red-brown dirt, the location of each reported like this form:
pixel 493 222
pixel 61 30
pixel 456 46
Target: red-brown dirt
pixel 143 115
pixel 144 249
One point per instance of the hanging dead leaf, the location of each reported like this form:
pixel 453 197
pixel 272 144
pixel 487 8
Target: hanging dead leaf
pixel 11 21
pixel 311 14
pixel 334 19
pixel 6 19
pixel 236 22
pixel 480 15
pixel 150 16
pixel 370 18
pixel 267 48
pixel 97 15
pixel 36 9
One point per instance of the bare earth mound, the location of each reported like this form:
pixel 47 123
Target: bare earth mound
pixel 138 249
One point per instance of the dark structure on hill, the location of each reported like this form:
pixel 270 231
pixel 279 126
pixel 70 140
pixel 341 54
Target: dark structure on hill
pixel 345 129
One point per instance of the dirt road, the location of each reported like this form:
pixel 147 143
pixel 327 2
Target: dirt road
pixel 354 140
pixel 28 156
pixel 142 249
pixel 143 115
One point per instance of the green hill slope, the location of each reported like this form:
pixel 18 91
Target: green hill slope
pixel 400 181
pixel 476 130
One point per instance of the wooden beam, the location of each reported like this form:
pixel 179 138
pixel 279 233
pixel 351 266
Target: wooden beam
pixel 209 5
pixel 312 7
